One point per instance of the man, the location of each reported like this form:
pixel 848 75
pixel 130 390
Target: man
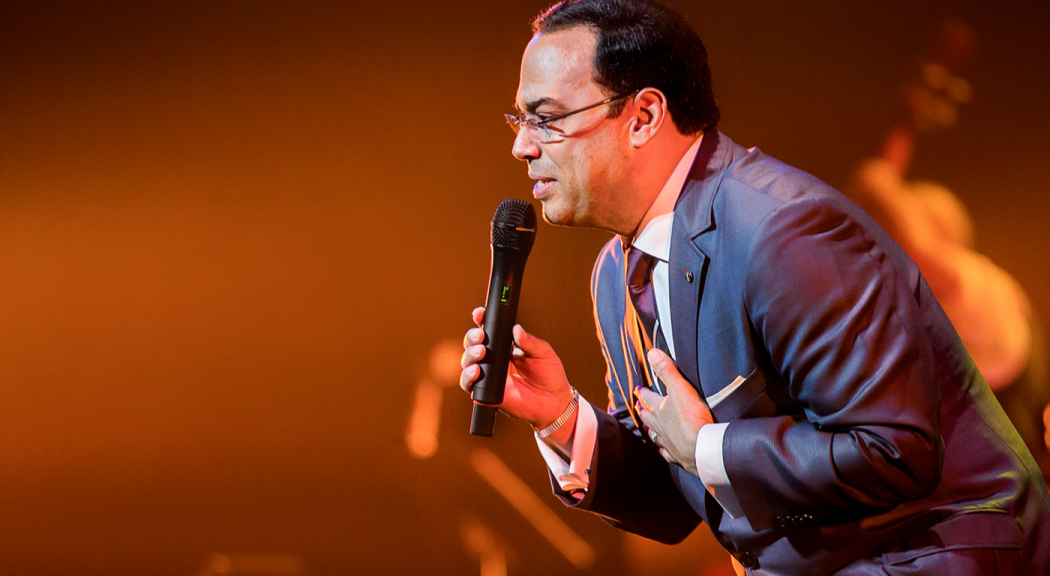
pixel 819 413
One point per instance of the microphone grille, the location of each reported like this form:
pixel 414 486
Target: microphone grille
pixel 514 225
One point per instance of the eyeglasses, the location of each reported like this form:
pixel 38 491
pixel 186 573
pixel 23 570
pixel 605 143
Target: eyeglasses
pixel 536 125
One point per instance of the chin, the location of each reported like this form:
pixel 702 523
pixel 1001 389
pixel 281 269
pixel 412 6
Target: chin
pixel 555 215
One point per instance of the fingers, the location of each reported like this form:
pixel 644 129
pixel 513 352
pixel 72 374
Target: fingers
pixel 468 376
pixel 644 407
pixel 473 351
pixel 647 400
pixel 469 362
pixel 471 356
pixel 525 344
pixel 649 426
pixel 472 337
pixel 654 428
pixel 475 335
pixel 674 419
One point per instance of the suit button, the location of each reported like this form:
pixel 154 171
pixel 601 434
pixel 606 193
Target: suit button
pixel 748 560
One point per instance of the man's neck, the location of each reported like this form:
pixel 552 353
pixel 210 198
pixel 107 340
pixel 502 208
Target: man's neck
pixel 664 165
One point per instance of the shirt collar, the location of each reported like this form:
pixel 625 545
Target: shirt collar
pixel 655 236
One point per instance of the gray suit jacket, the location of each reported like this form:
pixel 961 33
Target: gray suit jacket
pixel 861 423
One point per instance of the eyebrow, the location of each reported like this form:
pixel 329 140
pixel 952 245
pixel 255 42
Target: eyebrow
pixel 533 105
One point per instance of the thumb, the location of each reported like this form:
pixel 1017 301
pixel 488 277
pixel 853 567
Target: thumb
pixel 530 345
pixel 665 368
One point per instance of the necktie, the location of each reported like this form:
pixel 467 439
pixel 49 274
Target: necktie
pixel 643 297
pixel 640 285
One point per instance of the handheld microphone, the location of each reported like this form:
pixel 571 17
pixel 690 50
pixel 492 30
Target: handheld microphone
pixel 513 233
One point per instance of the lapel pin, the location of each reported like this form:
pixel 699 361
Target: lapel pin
pixel 688 276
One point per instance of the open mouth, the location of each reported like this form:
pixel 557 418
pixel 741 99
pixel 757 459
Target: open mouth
pixel 543 187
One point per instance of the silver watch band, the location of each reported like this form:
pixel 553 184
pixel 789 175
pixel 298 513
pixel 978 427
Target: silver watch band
pixel 565 416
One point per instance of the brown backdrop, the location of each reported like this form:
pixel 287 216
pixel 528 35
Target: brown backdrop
pixel 230 233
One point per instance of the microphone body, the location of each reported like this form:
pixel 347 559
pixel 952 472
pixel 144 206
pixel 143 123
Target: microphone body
pixel 513 233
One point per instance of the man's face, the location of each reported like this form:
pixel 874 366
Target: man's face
pixel 576 173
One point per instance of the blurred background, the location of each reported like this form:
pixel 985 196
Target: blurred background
pixel 234 236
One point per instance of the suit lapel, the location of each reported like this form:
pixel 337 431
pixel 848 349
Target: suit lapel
pixel 687 263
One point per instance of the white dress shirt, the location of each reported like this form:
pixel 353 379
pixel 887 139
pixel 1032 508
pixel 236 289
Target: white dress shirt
pixel 654 239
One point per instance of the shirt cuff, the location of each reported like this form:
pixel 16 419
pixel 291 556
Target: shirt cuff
pixel 574 476
pixel 711 467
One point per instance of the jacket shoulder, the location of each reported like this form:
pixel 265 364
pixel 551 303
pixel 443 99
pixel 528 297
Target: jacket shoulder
pixel 755 186
pixel 754 170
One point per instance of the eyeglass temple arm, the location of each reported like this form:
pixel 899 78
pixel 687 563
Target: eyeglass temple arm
pixel 585 108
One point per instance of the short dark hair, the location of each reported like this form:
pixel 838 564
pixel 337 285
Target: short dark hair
pixel 642 44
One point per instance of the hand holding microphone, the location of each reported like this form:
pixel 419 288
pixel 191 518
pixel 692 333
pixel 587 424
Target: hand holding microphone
pixel 536 388
pixel 505 367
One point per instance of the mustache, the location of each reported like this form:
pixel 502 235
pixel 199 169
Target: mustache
pixel 538 172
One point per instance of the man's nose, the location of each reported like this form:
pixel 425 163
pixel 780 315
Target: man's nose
pixel 525 147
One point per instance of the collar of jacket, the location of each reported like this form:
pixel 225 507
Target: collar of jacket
pixel 693 216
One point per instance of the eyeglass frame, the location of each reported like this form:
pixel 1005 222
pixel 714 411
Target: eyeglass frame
pixel 517 122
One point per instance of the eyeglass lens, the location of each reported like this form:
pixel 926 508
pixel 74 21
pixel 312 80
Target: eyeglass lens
pixel 537 131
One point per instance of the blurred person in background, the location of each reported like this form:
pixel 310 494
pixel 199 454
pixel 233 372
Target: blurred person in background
pixel 986 305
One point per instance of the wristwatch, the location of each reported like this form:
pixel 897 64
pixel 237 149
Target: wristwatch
pixel 565 416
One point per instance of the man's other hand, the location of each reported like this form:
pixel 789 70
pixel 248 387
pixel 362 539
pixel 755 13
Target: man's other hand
pixel 675 419
pixel 537 390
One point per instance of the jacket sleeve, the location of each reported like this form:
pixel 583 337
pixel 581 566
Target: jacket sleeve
pixel 842 326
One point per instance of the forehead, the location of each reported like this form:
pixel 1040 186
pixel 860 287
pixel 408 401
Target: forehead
pixel 558 67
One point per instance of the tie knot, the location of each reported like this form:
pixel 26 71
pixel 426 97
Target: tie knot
pixel 639 268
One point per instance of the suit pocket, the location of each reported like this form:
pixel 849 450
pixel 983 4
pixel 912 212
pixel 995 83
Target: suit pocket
pixel 746 399
pixel 980 529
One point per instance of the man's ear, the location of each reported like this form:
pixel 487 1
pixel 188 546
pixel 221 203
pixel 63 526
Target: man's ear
pixel 649 108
